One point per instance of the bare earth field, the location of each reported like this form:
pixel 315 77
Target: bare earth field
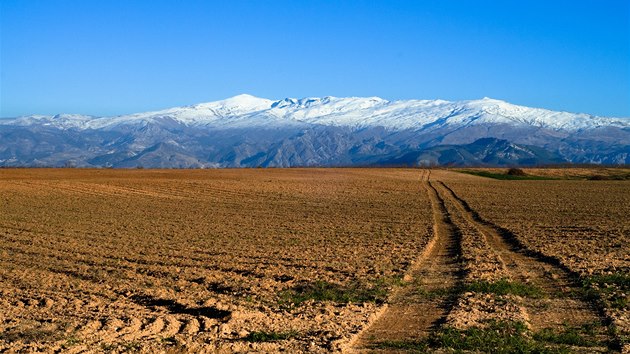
pixel 105 260
pixel 311 260
pixel 583 225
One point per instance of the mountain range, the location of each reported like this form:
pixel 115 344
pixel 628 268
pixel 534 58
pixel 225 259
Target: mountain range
pixel 247 131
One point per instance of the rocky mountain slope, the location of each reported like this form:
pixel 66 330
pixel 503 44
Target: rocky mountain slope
pixel 246 131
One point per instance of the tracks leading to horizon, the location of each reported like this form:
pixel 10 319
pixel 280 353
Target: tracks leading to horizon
pixel 560 304
pixel 435 282
pixel 422 304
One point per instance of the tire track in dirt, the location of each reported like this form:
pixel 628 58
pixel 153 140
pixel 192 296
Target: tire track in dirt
pixel 423 302
pixel 560 305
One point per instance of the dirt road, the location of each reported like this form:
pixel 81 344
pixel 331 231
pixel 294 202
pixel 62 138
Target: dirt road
pixel 427 296
pixel 437 280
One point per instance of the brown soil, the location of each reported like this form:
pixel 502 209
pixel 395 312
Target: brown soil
pixel 412 312
pixel 197 261
pixel 560 304
pixel 151 260
pixel 579 225
pixel 463 241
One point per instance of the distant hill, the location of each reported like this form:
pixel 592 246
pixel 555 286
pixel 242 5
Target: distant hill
pixel 246 131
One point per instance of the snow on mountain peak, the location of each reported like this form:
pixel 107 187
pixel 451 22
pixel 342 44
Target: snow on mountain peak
pixel 241 102
pixel 249 111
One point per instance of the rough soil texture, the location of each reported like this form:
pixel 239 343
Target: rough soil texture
pixel 150 260
pixel 577 229
pixel 412 313
pixel 559 305
pixel 199 261
pixel 485 253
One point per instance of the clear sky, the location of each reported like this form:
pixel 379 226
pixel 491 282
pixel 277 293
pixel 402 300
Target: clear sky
pixel 108 57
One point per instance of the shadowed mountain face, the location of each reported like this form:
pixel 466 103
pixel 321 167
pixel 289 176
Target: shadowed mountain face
pixel 245 131
pixel 483 152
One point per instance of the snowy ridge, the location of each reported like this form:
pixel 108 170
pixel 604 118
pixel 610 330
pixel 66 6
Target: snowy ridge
pixel 246 111
pixel 246 131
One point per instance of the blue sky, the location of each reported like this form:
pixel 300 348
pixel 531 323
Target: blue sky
pixel 115 57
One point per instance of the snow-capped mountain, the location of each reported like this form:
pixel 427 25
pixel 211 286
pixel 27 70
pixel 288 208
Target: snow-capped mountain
pixel 248 131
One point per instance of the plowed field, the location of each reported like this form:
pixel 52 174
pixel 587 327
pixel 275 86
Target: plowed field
pixel 581 225
pixel 310 260
pixel 104 260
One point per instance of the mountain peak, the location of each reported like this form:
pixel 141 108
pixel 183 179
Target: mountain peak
pixel 492 100
pixel 243 96
pixel 242 102
pixel 248 131
pixel 246 110
pixel 245 100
